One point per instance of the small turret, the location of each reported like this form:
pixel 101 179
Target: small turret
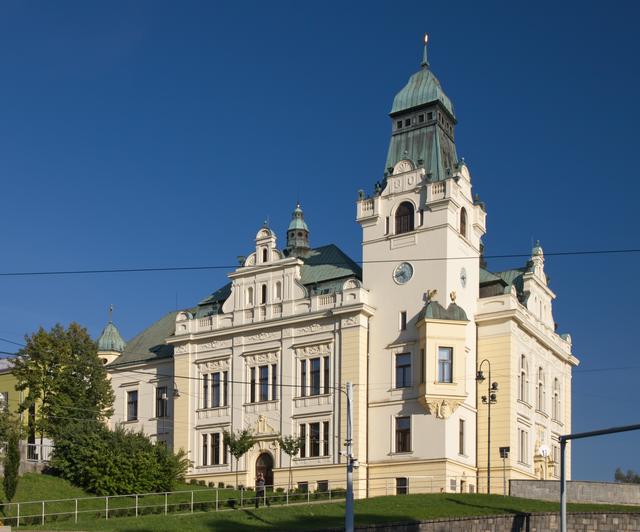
pixel 297 234
pixel 110 342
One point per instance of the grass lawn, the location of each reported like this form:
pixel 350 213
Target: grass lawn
pixel 331 515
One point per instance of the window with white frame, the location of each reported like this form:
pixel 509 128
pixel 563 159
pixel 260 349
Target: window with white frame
pixel 445 364
pixel 314 374
pixel 162 401
pixel 277 291
pixel 215 389
pixel 262 378
pixel 214 449
pixel 461 438
pixel 523 446
pixel 556 400
pixel 403 434
pixel 132 405
pixel 523 380
pixel 540 390
pixel 314 439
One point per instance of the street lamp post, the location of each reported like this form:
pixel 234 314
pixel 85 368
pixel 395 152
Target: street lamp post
pixel 489 399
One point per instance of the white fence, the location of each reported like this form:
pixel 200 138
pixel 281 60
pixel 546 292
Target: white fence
pixel 220 499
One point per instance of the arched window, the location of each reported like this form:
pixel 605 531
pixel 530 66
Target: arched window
pixel 278 291
pixel 523 380
pixel 265 254
pixel 263 298
pixel 404 218
pixel 540 395
pixel 463 222
pixel 556 399
pixel 250 296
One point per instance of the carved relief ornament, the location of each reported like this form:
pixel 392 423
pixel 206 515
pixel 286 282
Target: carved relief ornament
pixel 314 350
pixel 214 365
pixel 442 408
pixel 309 328
pixel 262 358
pixel 262 336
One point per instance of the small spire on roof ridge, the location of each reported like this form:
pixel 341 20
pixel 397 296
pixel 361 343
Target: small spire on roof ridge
pixel 425 60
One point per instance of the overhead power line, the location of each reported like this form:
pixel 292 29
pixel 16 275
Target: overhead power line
pixel 330 263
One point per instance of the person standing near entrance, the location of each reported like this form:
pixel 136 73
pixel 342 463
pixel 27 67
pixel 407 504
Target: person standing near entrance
pixel 259 489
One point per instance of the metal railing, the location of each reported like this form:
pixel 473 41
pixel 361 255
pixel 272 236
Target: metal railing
pixel 37 452
pixel 220 499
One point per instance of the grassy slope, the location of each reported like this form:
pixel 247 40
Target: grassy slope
pixel 322 516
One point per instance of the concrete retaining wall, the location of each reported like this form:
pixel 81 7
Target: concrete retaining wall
pixel 577 491
pixel 576 522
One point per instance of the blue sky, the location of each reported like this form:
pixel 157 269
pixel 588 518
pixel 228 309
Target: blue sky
pixel 155 134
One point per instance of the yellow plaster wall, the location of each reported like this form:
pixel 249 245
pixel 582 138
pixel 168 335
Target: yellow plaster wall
pixel 182 405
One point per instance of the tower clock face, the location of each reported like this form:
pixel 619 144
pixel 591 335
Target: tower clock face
pixel 403 273
pixel 463 277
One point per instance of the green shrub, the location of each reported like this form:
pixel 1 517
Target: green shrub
pixel 221 485
pixel 112 462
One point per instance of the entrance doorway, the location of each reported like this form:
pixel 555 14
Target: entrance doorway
pixel 264 465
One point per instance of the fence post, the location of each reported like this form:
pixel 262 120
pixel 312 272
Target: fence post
pixel 308 495
pixel 136 505
pixel 42 513
pixel 241 496
pixel 191 501
pixel 106 507
pixel 18 517
pixel 76 514
pixel 165 503
pixel 217 490
pixel 287 497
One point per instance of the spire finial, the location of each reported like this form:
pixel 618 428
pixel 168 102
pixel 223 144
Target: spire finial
pixel 111 313
pixel 425 61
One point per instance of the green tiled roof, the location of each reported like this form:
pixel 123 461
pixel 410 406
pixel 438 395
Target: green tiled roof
pixel 150 344
pixel 435 311
pixel 328 263
pixel 487 277
pixel 422 88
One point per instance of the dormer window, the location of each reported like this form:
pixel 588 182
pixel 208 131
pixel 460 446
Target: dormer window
pixel 399 124
pixel 407 122
pixel 420 119
pixel 404 218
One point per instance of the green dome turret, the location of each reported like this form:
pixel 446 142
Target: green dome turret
pixel 297 234
pixel 110 339
pixel 423 126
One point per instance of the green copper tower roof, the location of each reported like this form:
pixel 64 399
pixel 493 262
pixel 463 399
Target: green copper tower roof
pixel 297 234
pixel 110 339
pixel 297 219
pixel 423 87
pixel 423 125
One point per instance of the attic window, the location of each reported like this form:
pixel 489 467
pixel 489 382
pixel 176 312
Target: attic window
pixel 407 122
pixel 264 254
pixel 420 118
pixel 399 124
pixel 429 116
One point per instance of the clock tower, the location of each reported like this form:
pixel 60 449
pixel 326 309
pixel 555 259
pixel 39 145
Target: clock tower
pixel 421 249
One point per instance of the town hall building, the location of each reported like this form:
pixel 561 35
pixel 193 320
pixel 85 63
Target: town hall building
pixel 429 337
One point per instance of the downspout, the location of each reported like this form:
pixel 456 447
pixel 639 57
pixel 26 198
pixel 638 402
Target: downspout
pixel 476 408
pixel 367 403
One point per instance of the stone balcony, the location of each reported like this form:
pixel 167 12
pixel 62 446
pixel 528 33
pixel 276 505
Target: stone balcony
pixel 273 311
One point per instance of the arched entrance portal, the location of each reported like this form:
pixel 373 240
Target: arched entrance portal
pixel 264 465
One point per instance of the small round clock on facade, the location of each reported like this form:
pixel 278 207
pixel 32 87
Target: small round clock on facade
pixel 463 277
pixel 403 273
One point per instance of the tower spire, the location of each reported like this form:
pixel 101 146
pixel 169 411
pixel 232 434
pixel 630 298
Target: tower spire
pixel 425 60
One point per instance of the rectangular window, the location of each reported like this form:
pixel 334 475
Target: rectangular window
pixel 403 434
pixel 264 383
pixel 314 439
pixel 429 116
pixel 461 437
pixel 225 389
pixel 162 401
pixel 303 487
pixel 205 391
pixel 303 378
pixel 132 405
pixel 315 376
pixel 445 364
pixel 325 362
pixel 325 438
pixel 523 446
pixel 423 366
pixel 274 382
pixel 215 448
pixel 420 119
pixel 322 486
pixel 403 320
pixel 402 486
pixel 399 124
pixel 205 449
pixel 252 384
pixel 407 121
pixel 303 441
pixel 453 485
pixel 403 370
pixel 215 390
pixel 421 217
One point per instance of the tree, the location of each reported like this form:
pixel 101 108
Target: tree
pixel 630 477
pixel 238 443
pixel 10 434
pixel 291 446
pixel 63 378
